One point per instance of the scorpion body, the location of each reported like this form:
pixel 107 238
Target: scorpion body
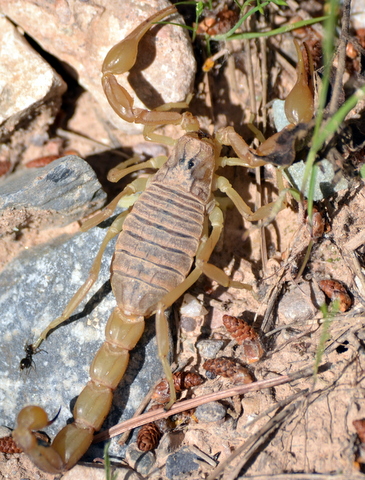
pixel 163 247
pixel 160 238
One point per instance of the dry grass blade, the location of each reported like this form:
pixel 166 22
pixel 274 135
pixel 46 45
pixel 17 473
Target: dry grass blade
pixel 337 88
pixel 188 404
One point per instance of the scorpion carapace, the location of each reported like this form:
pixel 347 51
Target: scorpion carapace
pixel 163 247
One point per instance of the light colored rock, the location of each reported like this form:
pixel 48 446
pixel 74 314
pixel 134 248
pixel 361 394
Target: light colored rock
pixel 209 348
pixel 301 303
pixel 191 306
pixel 81 33
pixel 326 181
pixel 27 82
pixel 358 14
pixel 98 473
pixel 211 412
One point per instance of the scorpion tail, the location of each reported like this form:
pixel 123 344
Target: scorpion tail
pixel 92 406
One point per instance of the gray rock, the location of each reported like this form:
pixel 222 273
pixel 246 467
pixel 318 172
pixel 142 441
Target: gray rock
pixel 181 463
pixel 211 412
pixel 60 193
pixel 278 113
pixel 301 303
pixel 34 290
pixel 169 443
pixel 142 462
pixel 97 472
pixel 326 182
pixel 87 30
pixel 188 324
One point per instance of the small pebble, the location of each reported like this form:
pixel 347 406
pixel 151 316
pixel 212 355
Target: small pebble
pixel 191 307
pixel 142 462
pixel 297 304
pixel 211 412
pixel 188 324
pixel 169 443
pixel 181 463
pixel 210 348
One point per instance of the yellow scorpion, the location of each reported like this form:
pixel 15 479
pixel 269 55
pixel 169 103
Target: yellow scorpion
pixel 163 247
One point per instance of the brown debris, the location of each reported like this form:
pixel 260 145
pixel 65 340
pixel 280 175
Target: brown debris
pixel 150 434
pixel 43 161
pixel 360 429
pixel 336 291
pixel 218 24
pixel 182 381
pixel 148 437
pixel 360 453
pixel 317 226
pixel 7 445
pixel 5 166
pixel 228 368
pixel 246 336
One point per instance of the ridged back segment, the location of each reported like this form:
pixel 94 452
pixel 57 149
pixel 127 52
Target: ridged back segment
pixel 156 248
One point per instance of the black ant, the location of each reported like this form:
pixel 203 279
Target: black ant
pixel 27 361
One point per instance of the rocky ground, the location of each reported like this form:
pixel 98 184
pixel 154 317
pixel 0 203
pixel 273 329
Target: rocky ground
pixel 53 108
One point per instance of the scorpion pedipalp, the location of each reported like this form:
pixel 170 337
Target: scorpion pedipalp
pixel 120 59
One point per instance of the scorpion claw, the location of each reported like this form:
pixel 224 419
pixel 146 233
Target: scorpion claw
pixel 122 56
pixel 120 59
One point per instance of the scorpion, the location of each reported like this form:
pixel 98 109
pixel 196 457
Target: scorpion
pixel 163 247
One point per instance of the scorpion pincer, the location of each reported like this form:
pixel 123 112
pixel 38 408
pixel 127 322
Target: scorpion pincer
pixel 160 239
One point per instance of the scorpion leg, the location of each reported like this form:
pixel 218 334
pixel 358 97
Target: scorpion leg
pixel 266 211
pixel 247 158
pixel 202 266
pixel 188 122
pixel 120 171
pixel 136 186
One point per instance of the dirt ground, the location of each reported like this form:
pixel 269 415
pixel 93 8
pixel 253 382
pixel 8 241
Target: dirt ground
pixel 302 428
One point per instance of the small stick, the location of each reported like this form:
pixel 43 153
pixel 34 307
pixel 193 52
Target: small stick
pixel 154 415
